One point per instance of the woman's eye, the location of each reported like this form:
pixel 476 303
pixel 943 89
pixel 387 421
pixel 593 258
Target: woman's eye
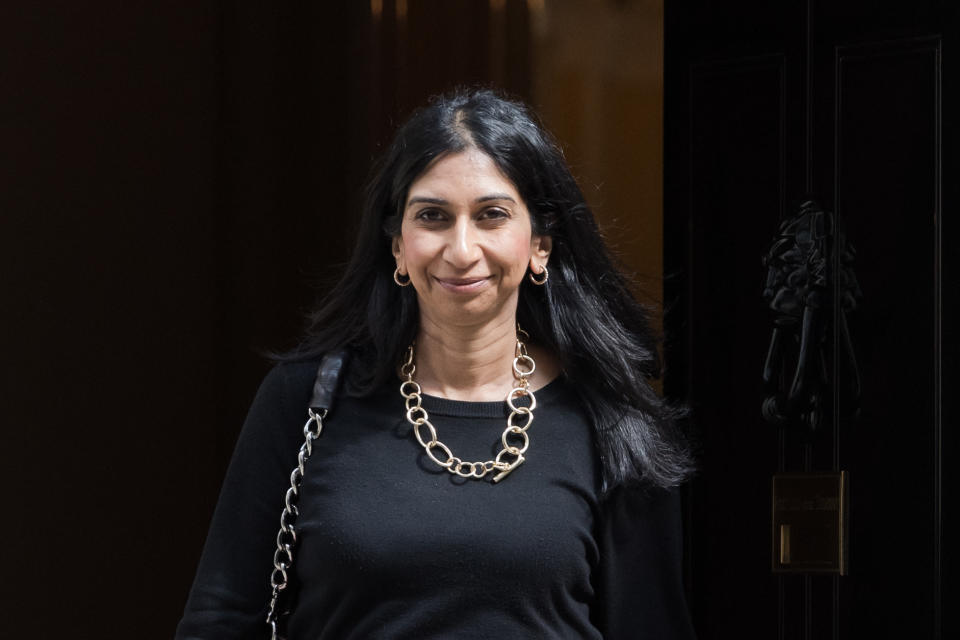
pixel 430 215
pixel 495 213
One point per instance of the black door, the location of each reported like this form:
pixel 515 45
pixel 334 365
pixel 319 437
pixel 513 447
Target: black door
pixel 811 292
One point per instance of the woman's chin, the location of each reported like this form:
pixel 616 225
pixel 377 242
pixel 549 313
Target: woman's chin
pixel 464 312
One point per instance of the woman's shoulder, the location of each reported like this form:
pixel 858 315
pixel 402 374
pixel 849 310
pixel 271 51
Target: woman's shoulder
pixel 288 384
pixel 294 372
pixel 291 373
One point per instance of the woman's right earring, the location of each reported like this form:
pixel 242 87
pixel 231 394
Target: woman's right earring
pixel 397 276
pixel 542 281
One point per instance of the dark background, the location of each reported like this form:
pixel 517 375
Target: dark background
pixel 853 103
pixel 180 181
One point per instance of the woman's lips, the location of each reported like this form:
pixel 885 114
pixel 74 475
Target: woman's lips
pixel 462 285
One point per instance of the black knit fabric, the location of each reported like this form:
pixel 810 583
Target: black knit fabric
pixel 392 546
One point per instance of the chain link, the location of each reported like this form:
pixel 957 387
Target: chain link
pixel 508 458
pixel 287 536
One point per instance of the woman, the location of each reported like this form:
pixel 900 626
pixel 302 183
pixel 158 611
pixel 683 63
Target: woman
pixel 434 508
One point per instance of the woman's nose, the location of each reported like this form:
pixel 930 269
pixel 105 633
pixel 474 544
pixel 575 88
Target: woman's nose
pixel 463 248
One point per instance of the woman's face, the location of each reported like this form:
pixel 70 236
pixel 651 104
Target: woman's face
pixel 466 240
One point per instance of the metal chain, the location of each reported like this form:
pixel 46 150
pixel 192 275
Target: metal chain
pixel 287 536
pixel 523 367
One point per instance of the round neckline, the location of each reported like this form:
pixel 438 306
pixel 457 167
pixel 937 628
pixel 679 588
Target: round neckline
pixel 487 409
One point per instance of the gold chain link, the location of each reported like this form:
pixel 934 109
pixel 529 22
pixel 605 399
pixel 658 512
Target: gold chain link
pixel 523 367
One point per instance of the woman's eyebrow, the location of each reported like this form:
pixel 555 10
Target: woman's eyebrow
pixel 440 201
pixel 425 199
pixel 495 196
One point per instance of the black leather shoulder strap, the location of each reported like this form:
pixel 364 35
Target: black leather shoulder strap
pixel 329 377
pixel 325 388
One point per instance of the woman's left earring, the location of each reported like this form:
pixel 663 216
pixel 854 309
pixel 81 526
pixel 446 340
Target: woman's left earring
pixel 543 272
pixel 397 275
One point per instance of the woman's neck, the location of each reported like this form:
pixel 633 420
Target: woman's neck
pixel 475 363
pixel 472 363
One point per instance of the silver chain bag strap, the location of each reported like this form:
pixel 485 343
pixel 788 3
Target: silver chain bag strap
pixel 321 402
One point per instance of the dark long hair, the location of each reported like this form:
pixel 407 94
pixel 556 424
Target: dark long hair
pixel 585 313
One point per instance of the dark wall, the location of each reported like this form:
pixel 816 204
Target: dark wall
pixel 111 297
pixel 179 181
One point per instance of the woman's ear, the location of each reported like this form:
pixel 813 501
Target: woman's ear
pixel 540 248
pixel 397 250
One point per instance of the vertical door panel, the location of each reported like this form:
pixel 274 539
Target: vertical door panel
pixel 887 196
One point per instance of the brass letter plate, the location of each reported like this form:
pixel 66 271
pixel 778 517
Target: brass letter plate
pixel 810 523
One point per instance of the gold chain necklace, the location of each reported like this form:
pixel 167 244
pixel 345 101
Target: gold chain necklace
pixel 523 367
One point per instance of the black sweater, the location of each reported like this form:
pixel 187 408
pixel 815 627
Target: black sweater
pixel 392 546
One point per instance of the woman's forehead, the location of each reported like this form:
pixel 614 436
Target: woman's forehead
pixel 463 173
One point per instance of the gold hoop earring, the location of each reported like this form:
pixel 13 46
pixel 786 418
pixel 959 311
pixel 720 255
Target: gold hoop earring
pixel 542 281
pixel 396 278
